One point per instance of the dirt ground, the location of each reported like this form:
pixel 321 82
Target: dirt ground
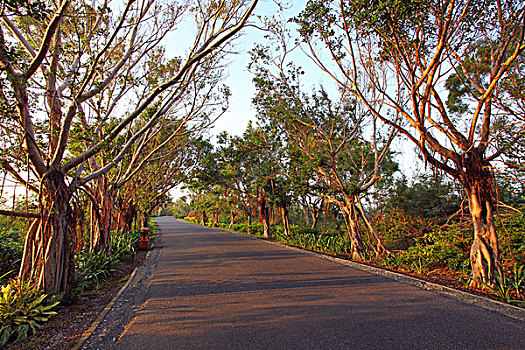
pixel 65 328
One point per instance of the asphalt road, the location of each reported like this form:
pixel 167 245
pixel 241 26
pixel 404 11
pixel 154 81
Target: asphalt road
pixel 207 289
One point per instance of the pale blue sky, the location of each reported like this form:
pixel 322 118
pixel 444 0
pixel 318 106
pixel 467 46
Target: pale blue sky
pixel 240 79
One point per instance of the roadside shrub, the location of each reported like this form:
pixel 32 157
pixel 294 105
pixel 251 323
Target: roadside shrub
pixel 511 234
pixel 92 267
pixel 440 248
pixel 23 310
pixel 192 219
pixel 256 229
pixel 304 230
pixel 312 239
pixel 124 244
pixel 277 230
pixel 11 248
pixel 240 228
pixel 398 230
pixel 217 224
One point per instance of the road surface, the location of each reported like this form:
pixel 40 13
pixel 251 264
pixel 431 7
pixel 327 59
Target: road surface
pixel 206 289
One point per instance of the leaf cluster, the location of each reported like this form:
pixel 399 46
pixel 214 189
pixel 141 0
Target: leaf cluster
pixel 23 309
pixel 34 9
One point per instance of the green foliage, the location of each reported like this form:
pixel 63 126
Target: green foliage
pixel 12 235
pixel 124 244
pixel 518 278
pixel 181 209
pixel 23 309
pixel 240 227
pixel 312 240
pixel 427 196
pixel 256 230
pixel 418 266
pixel 397 229
pixel 511 231
pixel 11 247
pixel 299 237
pixel 391 261
pixel 505 287
pixel 192 219
pixel 501 287
pixel 439 248
pixel 92 266
pixel 217 224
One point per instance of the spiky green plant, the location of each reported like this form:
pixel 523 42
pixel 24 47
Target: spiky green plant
pixel 92 267
pixel 23 309
pixel 518 278
pixel 501 287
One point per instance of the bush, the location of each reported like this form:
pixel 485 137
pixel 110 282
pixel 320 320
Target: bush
pixel 511 234
pixel 440 248
pixel 92 267
pixel 192 219
pixel 304 230
pixel 217 225
pixel 398 230
pixel 240 228
pixel 312 239
pixel 22 310
pixel 11 248
pixel 124 244
pixel 256 230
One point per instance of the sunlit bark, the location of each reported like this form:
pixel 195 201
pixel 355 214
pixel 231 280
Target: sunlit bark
pixel 479 182
pixel 285 219
pixel 48 257
pixel 264 217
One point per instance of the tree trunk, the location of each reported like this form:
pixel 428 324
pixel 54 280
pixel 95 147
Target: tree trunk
pixel 306 212
pixel 315 218
pixel 102 231
pixel 126 214
pixel 204 218
pixel 315 212
pixel 145 219
pixel 233 214
pixel 380 249
pixel 80 214
pixel 484 252
pixel 264 217
pixel 48 257
pixel 349 211
pixel 285 219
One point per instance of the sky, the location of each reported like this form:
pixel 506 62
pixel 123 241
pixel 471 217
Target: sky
pixel 239 80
